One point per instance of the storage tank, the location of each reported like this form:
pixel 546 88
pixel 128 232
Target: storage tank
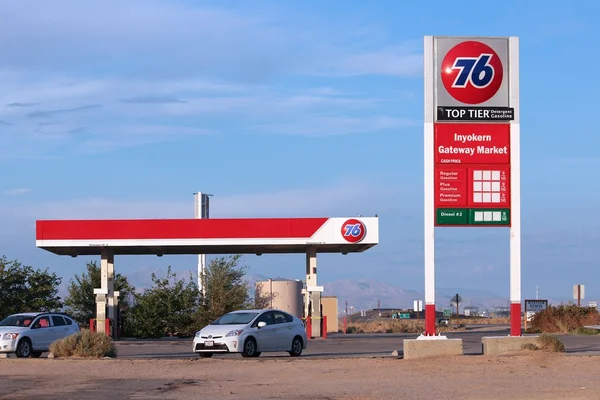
pixel 282 294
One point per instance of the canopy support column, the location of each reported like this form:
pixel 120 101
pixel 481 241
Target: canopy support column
pixel 312 301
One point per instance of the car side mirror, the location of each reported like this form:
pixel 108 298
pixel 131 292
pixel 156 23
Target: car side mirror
pixel 262 324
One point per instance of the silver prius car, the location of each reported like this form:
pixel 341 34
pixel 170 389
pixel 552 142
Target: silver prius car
pixel 30 334
pixel 251 332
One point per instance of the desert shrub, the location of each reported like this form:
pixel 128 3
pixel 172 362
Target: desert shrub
pixel 587 331
pixel 546 343
pixel 487 321
pixel 550 343
pixel 564 318
pixel 84 344
pixel 386 326
pixel 529 346
pixel 451 328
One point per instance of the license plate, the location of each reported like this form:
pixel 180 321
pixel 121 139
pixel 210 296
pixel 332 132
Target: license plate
pixel 208 343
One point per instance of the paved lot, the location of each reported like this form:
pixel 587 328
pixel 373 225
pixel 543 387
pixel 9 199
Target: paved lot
pixel 351 345
pixel 168 369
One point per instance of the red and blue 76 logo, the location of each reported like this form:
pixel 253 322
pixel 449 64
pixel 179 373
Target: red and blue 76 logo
pixel 354 230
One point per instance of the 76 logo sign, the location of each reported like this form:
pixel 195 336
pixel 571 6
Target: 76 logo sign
pixel 472 72
pixel 353 230
pixel 475 71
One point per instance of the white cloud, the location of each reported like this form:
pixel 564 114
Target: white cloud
pixel 265 104
pixel 178 39
pixel 331 125
pixel 160 68
pixel 15 192
pixel 388 62
pixel 94 115
pixel 343 198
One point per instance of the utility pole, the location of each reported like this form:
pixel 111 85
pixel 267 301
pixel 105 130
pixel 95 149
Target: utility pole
pixel 537 292
pixel 345 319
pixel 379 307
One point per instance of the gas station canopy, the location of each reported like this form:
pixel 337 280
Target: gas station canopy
pixel 207 236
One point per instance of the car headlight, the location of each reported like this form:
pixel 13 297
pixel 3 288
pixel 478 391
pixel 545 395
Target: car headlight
pixel 10 336
pixel 236 332
pixel 198 334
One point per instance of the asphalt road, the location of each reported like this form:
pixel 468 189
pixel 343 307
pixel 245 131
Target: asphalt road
pixel 350 345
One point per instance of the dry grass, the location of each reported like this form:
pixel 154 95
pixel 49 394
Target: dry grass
pixel 529 346
pixel 84 344
pixel 388 325
pixel 546 343
pixel 564 319
pixel 551 343
pixel 487 321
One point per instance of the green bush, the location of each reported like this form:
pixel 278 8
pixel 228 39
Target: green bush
pixel 84 344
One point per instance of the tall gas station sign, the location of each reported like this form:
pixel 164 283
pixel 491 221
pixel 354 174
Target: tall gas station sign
pixel 472 152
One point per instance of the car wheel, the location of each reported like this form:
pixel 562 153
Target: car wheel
pixel 23 349
pixel 296 347
pixel 36 354
pixel 205 355
pixel 250 348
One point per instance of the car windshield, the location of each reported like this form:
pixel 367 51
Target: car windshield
pixel 17 320
pixel 235 318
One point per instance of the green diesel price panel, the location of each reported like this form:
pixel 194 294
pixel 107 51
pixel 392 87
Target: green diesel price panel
pixel 472 216
pixel 451 216
pixel 489 216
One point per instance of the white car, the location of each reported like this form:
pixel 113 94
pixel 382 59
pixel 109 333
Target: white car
pixel 30 334
pixel 251 332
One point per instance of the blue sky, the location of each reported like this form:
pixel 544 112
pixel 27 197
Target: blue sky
pixel 123 109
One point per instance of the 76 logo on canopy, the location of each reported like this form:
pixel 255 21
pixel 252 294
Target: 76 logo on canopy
pixel 472 72
pixel 353 230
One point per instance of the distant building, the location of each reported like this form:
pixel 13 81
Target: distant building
pixel 472 311
pixel 500 312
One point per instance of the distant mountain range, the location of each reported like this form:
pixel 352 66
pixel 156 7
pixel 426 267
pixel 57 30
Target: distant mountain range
pixel 365 293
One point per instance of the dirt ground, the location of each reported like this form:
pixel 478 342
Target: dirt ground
pixel 532 376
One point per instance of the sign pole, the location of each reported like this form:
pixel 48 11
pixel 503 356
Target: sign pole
pixel 457 314
pixel 429 210
pixel 515 188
